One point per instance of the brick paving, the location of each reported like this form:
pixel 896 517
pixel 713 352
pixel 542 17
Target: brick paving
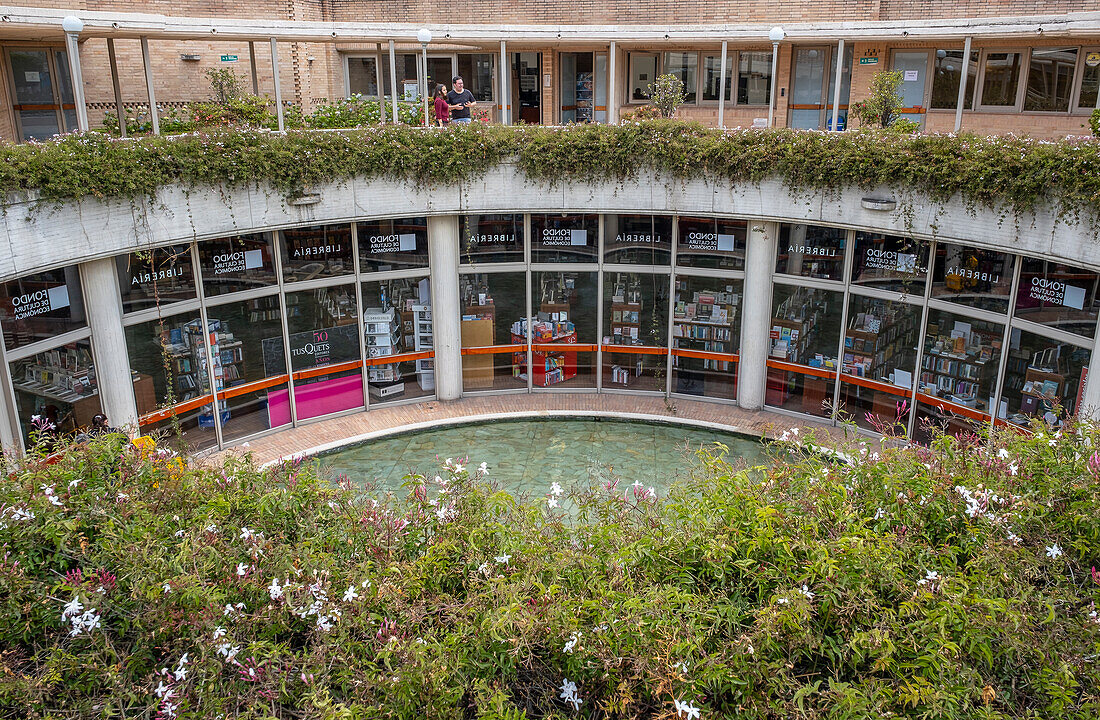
pixel 381 421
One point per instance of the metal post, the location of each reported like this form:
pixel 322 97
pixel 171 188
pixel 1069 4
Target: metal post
pixel 393 82
pixel 149 85
pixel 775 73
pixel 612 96
pixel 962 84
pixel 722 87
pixel 278 89
pixel 118 89
pixel 78 81
pixel 505 78
pixel 252 64
pixel 836 83
pixel 378 84
pixel 424 75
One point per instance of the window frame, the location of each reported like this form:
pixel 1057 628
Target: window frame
pixel 1075 107
pixel 1021 85
pixel 972 88
pixel 1075 81
pixel 633 57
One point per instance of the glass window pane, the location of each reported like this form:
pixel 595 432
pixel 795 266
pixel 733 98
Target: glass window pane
pixel 946 74
pixel 362 76
pixel 494 312
pixel 1050 79
pixel 249 349
pixel 712 75
pixel 155 277
pixel 1044 379
pixel 397 319
pixel 880 344
pixel 172 351
pixel 643 71
pixel 1002 77
pixel 806 326
pixel 1090 80
pixel 477 75
pixel 234 264
pixel 754 78
pixel 972 277
pixel 811 251
pixel 707 318
pixel 684 66
pixel 396 244
pixel 712 243
pixel 637 239
pixel 1058 295
pixel 564 238
pixel 316 251
pixel 491 238
pixel 961 358
pixel 890 262
pixel 323 325
pixel 635 314
pixel 566 304
pixel 41 306
pixel 59 387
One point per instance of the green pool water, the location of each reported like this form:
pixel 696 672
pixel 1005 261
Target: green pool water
pixel 525 456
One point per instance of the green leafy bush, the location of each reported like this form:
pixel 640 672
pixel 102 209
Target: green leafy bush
pixel 1094 122
pixel 883 101
pixel 667 94
pixel 945 582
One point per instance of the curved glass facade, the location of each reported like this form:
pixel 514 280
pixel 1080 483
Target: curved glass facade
pixel 232 337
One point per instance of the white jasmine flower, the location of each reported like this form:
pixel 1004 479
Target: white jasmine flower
pixel 929 578
pixel 242 569
pixel 503 558
pixel 219 632
pixel 879 514
pixel 179 533
pixel 807 592
pixel 273 590
pixel 483 468
pixel 247 534
pixel 73 608
pixel 569 693
pixel 555 489
pixel 571 643
pixel 782 601
pixel 686 710
pixel 1054 552
pixel 167 588
pixel 350 594
pixel 552 502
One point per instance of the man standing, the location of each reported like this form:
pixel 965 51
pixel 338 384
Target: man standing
pixel 461 100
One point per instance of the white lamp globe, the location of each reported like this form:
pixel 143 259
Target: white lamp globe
pixel 424 35
pixel 72 24
pixel 776 34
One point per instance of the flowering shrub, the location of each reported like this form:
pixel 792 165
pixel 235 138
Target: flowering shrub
pixel 956 581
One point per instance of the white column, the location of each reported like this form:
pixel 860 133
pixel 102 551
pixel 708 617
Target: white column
pixel 378 84
pixel 278 89
pixel 119 107
pixel 446 327
pixel 11 435
pixel 756 315
pixel 612 92
pixel 722 86
pixel 836 83
pixel 149 89
pixel 505 86
pixel 77 76
pixel 393 83
pixel 103 303
pixel 965 70
pixel 252 67
pixel 1090 399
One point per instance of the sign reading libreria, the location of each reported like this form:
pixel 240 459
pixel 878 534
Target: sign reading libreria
pixel 312 348
pixel 40 302
pixel 238 261
pixel 492 238
pixel 564 236
pixel 639 238
pixel 394 242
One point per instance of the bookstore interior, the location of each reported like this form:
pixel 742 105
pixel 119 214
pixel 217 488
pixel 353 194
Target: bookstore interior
pixel 236 336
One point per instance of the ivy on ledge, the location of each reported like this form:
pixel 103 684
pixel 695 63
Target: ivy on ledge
pixel 1003 173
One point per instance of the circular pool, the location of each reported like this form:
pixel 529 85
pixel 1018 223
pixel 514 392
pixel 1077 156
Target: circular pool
pixel 525 456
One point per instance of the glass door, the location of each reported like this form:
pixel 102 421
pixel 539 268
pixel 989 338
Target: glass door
pixel 526 88
pixel 599 82
pixel 43 92
pixel 913 66
pixel 578 89
pixel 807 90
pixel 441 68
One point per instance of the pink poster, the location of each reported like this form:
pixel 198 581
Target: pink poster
pixel 316 399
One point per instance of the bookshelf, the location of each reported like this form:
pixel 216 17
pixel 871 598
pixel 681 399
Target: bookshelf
pixel 550 367
pixel 703 320
pixel 422 337
pixel 382 337
pixel 871 344
pixel 956 361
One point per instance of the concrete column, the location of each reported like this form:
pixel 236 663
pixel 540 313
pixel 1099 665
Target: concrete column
pixel 964 71
pixel 153 114
pixel 756 314
pixel 103 303
pixel 393 83
pixel 119 107
pixel 278 86
pixel 72 47
pixel 252 67
pixel 446 316
pixel 505 86
pixel 612 85
pixel 1090 399
pixel 722 85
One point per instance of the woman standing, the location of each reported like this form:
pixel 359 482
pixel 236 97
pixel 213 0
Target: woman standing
pixel 442 109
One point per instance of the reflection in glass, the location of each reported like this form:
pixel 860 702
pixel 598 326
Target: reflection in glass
pixel 395 244
pixel 494 312
pixel 565 307
pixel 811 251
pixel 890 262
pixel 1090 81
pixel 397 320
pixel 712 243
pixel 683 66
pixel 1002 77
pixel 972 277
pixel 635 315
pixel 706 317
pixel 754 78
pixel 880 345
pixel 59 387
pixel 316 251
pixel 323 333
pixel 491 238
pixel 1059 296
pixel 643 71
pixel 1044 379
pixel 805 330
pixel 155 277
pixel 946 74
pixel 41 306
pixel 712 76
pixel 637 239
pixel 235 264
pixel 1050 79
pixel 564 238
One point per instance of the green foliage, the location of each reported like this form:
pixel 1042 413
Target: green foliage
pixel 1008 174
pixel 225 84
pixel 945 582
pixel 361 111
pixel 1094 122
pixel 667 94
pixel 883 100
